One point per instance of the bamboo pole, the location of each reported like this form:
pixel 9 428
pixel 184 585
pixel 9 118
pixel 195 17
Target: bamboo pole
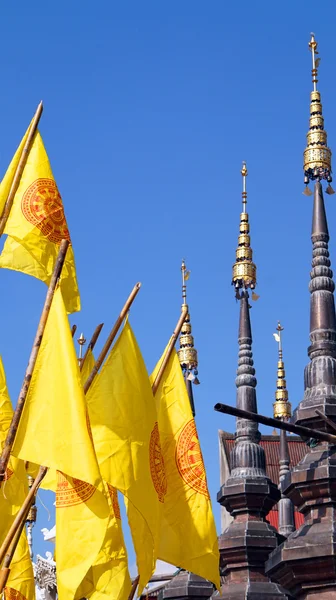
pixel 32 359
pixel 73 330
pixel 5 569
pixel 170 348
pixel 112 336
pixel 134 587
pixel 21 515
pixel 20 167
pixel 91 343
pixel 305 432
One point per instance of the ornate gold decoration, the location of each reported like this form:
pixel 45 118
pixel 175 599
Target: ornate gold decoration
pixel 189 459
pixel 317 155
pixel 281 407
pixel 187 353
pixel 244 271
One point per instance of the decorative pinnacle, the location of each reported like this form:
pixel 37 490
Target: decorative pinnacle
pixel 81 341
pixel 244 271
pixel 187 353
pixel 282 408
pixel 317 155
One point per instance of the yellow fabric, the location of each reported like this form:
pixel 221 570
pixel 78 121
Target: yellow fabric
pixel 12 494
pixel 188 536
pixel 124 427
pixel 87 366
pixel 36 224
pixel 109 576
pixel 6 183
pixel 54 430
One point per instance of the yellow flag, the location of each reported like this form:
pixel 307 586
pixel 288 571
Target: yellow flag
pixel 188 534
pixel 126 437
pixel 87 366
pixel 36 224
pixel 109 576
pixel 54 429
pixel 13 491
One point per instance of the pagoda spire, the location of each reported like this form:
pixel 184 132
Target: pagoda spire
pixel 282 410
pixel 248 494
pixel 307 560
pixel 187 352
pixel 317 155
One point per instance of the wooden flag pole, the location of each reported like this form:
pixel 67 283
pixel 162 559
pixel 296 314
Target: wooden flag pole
pixel 91 343
pixel 32 360
pixel 111 337
pixel 5 569
pixel 20 167
pixel 21 515
pixel 73 330
pixel 134 587
pixel 170 348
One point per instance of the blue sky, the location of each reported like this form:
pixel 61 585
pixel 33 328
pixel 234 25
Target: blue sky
pixel 150 109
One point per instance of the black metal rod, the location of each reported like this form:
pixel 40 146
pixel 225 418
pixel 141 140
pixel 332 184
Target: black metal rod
pixel 298 429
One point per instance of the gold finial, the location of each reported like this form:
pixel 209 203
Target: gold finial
pixel 187 353
pixel 244 272
pixel 282 408
pixel 317 155
pixel 81 341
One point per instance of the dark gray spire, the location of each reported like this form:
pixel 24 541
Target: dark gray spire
pixel 285 505
pixel 247 457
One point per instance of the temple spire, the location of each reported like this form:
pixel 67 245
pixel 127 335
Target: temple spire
pixel 282 410
pixel 244 271
pixel 248 494
pixel 317 155
pixel 187 353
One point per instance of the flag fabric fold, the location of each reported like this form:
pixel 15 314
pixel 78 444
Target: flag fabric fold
pixel 188 535
pixel 13 491
pixel 36 224
pixel 54 430
pixel 127 442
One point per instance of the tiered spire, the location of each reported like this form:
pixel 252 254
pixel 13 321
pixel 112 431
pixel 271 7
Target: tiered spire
pixel 187 353
pixel 317 155
pixel 307 560
pixel 248 494
pixel 282 411
pixel 282 408
pixel 244 271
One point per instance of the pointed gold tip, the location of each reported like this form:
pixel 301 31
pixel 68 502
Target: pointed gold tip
pixel 187 354
pixel 281 407
pixel 244 270
pixel 317 155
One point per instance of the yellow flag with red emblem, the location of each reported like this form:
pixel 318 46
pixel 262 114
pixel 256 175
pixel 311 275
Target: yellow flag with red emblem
pixel 188 535
pixel 36 224
pixel 109 576
pixel 127 442
pixel 13 491
pixel 54 429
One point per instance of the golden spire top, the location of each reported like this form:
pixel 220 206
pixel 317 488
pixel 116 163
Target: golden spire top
pixel 244 271
pixel 317 155
pixel 282 408
pixel 187 353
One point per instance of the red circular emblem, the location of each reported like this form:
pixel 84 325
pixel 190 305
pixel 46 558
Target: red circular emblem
pixel 189 459
pixel 156 462
pixel 42 206
pixel 114 499
pixel 71 491
pixel 11 594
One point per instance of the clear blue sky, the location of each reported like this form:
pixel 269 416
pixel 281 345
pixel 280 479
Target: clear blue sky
pixel 150 108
